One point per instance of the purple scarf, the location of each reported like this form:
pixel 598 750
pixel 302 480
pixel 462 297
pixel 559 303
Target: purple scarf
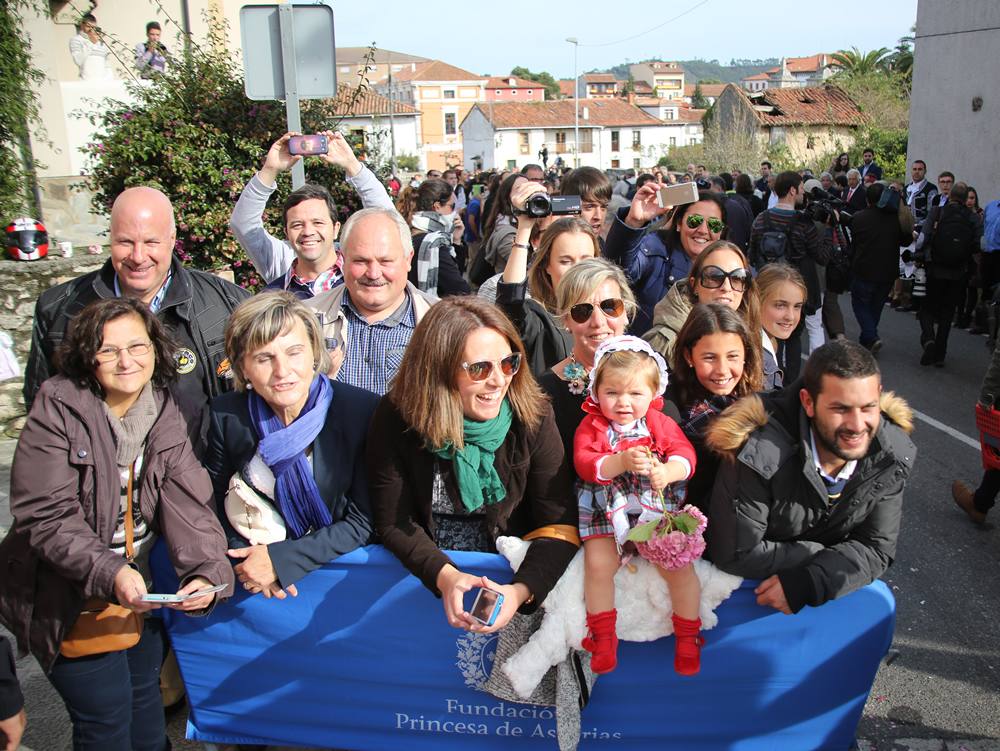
pixel 283 450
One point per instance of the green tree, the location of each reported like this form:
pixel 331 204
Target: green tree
pixel 196 136
pixel 853 62
pixel 698 100
pixel 545 78
pixel 19 84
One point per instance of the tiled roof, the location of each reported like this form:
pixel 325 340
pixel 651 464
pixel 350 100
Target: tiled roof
pixel 436 70
pixel 354 55
pixel 654 101
pixel 641 87
pixel 707 89
pixel 690 115
pixel 567 88
pixel 758 77
pixel 503 82
pixel 814 105
pixel 599 78
pixel 368 103
pixel 559 114
pixel 810 64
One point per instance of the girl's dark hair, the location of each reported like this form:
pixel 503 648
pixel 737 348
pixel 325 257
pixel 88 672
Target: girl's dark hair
pixel 76 357
pixel 432 191
pixel 704 320
pixel 975 193
pixel 671 236
pixel 744 185
pixel 501 205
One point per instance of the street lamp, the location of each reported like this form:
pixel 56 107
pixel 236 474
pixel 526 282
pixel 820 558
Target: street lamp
pixel 576 104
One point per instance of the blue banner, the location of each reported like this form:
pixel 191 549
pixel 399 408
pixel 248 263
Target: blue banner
pixel 363 659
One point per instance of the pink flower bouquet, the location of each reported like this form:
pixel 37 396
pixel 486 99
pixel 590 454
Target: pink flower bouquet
pixel 672 541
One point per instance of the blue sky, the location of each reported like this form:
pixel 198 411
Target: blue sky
pixel 492 37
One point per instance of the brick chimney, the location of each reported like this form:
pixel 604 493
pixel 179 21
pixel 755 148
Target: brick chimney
pixel 631 98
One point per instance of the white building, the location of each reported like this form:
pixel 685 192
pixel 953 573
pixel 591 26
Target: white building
pixel 613 134
pixel 369 118
pixel 683 123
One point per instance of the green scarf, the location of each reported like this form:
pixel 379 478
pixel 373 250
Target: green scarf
pixel 478 481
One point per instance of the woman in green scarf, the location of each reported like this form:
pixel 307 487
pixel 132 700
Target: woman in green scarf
pixel 463 449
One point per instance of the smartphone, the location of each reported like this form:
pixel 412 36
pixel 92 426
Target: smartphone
pixel 675 195
pixel 308 145
pixel 487 606
pixel 158 598
pixel 477 190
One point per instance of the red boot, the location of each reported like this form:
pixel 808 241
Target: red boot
pixel 602 641
pixel 687 651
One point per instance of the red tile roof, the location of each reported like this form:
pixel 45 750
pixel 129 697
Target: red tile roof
pixel 559 114
pixel 599 78
pixel 436 70
pixel 641 87
pixel 503 82
pixel 707 89
pixel 368 103
pixel 814 105
pixel 567 88
pixel 757 77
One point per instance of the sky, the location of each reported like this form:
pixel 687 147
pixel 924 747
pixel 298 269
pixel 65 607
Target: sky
pixel 493 37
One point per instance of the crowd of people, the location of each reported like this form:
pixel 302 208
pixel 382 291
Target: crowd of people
pixel 454 364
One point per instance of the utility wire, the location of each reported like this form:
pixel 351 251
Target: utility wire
pixel 648 31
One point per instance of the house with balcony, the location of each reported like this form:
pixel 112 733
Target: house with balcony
pixel 613 134
pixel 598 86
pixel 513 89
pixel 665 79
pixel 443 94
pixel 809 121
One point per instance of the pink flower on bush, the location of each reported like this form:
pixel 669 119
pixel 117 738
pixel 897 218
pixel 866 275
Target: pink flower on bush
pixel 675 540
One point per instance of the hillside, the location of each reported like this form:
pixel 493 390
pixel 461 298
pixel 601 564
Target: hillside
pixel 700 70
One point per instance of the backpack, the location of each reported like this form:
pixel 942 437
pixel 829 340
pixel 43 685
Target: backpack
pixel 991 227
pixel 774 244
pixel 954 237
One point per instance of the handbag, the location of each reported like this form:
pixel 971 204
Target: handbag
pixel 252 515
pixel 102 626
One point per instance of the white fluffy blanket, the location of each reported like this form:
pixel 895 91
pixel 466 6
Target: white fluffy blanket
pixel 641 598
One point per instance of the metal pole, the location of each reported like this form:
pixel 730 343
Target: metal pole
pixel 576 104
pixel 392 123
pixel 291 84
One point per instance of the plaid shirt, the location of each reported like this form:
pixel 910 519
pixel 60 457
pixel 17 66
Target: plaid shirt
pixel 694 420
pixel 375 350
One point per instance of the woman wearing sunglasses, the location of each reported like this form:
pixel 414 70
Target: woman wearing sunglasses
pixel 464 449
pixel 563 244
pixel 655 260
pixel 720 274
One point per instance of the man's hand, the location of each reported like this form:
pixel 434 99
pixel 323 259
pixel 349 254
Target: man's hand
pixel 340 154
pixel 770 593
pixel 278 160
pixel 13 729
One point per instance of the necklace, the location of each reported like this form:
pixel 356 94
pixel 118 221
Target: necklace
pixel 576 375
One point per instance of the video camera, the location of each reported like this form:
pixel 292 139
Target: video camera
pixel 541 204
pixel 822 206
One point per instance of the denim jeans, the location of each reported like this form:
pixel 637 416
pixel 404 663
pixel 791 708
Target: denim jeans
pixel 113 699
pixel 867 301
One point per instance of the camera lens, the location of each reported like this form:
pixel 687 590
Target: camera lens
pixel 538 205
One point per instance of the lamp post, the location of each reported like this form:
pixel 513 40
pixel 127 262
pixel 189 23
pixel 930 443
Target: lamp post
pixel 576 104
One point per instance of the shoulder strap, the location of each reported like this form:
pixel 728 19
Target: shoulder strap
pixel 129 521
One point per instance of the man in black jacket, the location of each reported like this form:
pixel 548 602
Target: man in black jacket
pixel 877 238
pixel 810 494
pixel 193 305
pixel 951 235
pixel 12 717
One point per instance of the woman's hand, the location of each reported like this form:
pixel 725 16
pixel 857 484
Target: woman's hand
pixel 523 190
pixel 458 229
pixel 453 584
pixel 514 596
pixel 195 603
pixel 645 207
pixel 130 588
pixel 256 572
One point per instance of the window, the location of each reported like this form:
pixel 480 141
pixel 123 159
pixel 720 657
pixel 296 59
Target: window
pixel 635 163
pixel 615 163
pixel 522 139
pixel 615 145
pixel 530 92
pixel 449 94
pixel 669 114
pixel 636 140
pixel 449 124
pixel 512 164
pixel 586 141
pixel 560 141
pixel 497 92
pixel 513 92
pixel 811 142
pixel 673 141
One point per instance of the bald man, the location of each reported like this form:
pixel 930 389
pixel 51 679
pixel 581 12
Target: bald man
pixel 193 305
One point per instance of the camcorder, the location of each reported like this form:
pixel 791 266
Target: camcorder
pixel 823 207
pixel 541 205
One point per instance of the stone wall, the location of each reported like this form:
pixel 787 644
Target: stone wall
pixel 21 282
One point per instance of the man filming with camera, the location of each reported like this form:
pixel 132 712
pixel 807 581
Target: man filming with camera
pixel 151 55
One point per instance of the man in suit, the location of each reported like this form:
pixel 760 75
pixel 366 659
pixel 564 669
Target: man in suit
pixel 868 166
pixel 855 197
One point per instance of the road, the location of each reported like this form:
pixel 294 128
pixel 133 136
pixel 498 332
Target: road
pixel 940 688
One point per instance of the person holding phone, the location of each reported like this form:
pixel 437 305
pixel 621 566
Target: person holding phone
pixel 464 449
pixel 151 55
pixel 104 468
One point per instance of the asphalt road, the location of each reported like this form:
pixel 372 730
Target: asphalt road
pixel 939 690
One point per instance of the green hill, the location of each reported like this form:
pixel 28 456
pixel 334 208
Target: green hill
pixel 702 70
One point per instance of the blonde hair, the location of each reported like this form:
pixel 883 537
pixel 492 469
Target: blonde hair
pixel 631 364
pixel 261 319
pixel 425 388
pixel 539 281
pixel 580 281
pixel 772 276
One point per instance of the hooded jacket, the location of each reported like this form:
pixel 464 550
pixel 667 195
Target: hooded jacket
pixel 770 512
pixel 669 316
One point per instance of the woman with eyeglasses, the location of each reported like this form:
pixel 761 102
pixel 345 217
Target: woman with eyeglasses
pixel 104 468
pixel 655 259
pixel 720 274
pixel 463 449
pixel 527 294
pixel 439 256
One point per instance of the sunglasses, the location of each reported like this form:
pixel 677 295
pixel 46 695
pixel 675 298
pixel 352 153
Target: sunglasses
pixel 480 371
pixel 715 225
pixel 712 277
pixel 612 308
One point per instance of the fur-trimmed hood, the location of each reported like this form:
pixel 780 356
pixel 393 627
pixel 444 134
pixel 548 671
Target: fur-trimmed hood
pixel 778 419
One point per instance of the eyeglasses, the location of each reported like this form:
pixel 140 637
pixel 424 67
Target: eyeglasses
pixel 480 371
pixel 715 225
pixel 712 277
pixel 111 354
pixel 612 308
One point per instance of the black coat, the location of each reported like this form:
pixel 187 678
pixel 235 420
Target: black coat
pixel 858 201
pixel 877 239
pixel 338 460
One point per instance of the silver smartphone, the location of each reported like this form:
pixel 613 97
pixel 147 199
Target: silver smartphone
pixel 158 598
pixel 676 195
